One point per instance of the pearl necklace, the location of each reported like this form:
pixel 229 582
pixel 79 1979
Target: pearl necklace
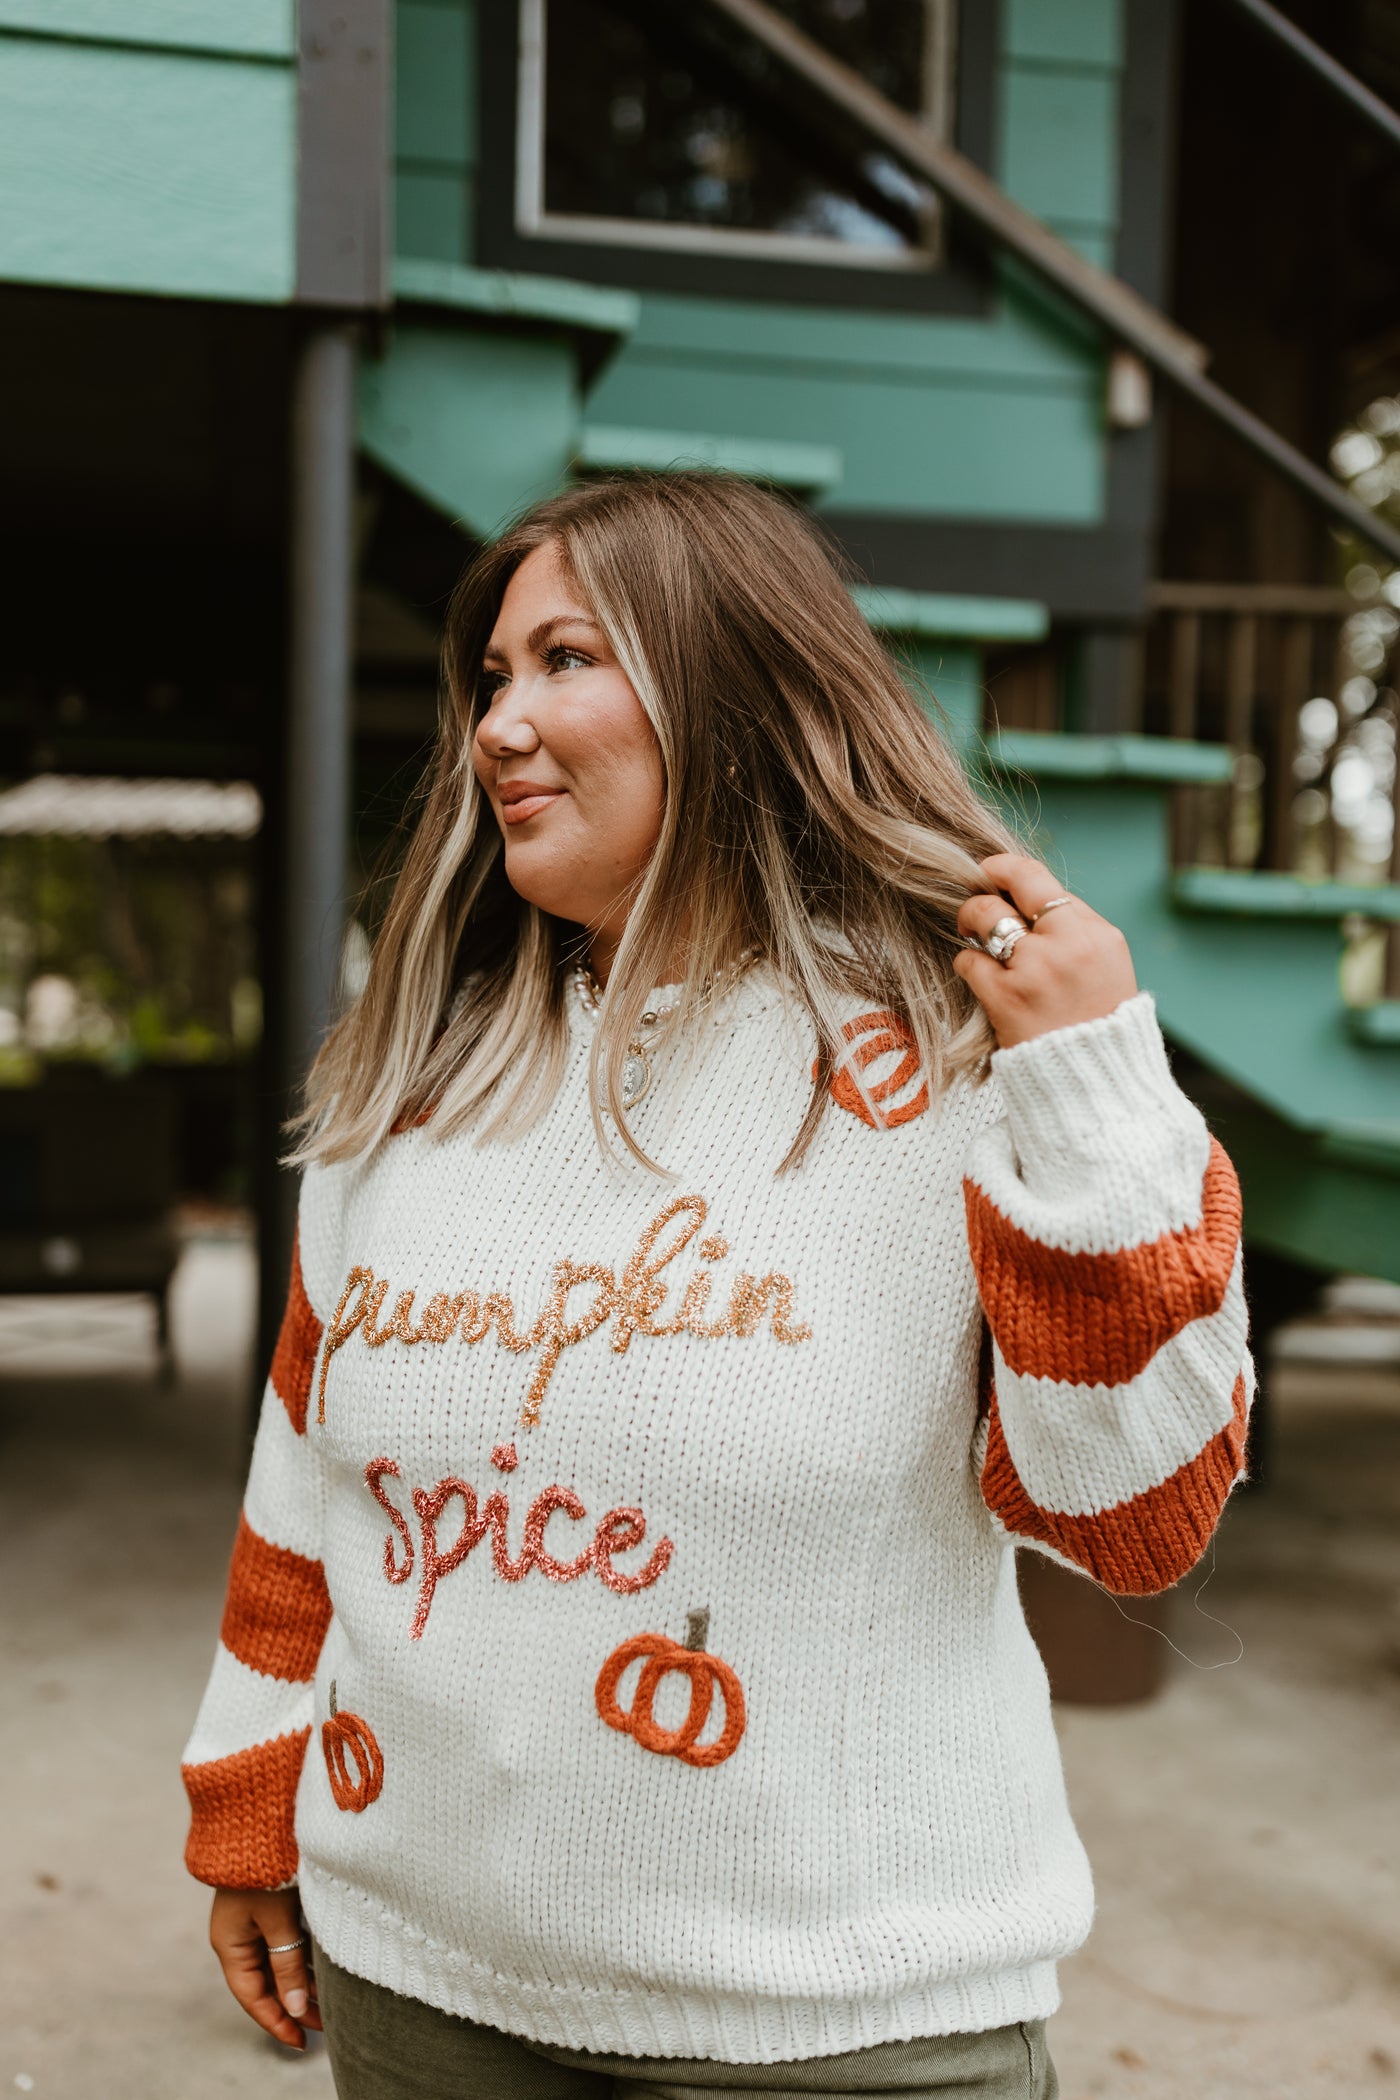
pixel 637 1069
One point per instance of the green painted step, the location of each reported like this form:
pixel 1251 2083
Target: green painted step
pixel 1260 894
pixel 945 616
pixel 1378 1025
pixel 1172 760
pixel 515 295
pixel 1246 974
pixel 806 469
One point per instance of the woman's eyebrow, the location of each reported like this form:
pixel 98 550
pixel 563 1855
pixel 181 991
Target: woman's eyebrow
pixel 538 636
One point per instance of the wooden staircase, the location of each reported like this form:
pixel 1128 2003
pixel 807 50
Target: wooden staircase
pixel 1245 965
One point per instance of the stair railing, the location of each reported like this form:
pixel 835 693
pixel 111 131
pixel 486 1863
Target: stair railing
pixel 1245 665
pixel 1125 319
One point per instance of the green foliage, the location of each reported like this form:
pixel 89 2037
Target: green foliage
pixel 124 952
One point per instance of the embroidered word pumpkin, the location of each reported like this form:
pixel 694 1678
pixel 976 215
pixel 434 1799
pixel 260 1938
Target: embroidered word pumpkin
pixel 661 1657
pixel 346 1740
pixel 634 1300
pixel 877 1035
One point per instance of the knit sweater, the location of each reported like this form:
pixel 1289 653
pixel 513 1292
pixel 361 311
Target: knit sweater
pixel 622 1643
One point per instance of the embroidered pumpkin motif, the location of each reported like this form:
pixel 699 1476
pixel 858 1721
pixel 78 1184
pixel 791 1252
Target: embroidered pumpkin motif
pixel 872 1036
pixel 346 1740
pixel 660 1658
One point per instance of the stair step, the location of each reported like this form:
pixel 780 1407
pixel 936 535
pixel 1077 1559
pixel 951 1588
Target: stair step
pixel 1046 755
pixel 944 616
pixel 807 469
pixel 1378 1025
pixel 1374 1146
pixel 1262 894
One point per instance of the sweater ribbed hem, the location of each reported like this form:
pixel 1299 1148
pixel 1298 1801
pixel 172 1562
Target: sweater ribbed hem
pixel 361 1935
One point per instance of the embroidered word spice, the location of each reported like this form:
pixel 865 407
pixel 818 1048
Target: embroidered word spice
pixel 635 1303
pixel 618 1532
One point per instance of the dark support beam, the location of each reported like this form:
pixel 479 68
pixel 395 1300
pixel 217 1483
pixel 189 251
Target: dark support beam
pixel 1323 67
pixel 315 796
pixel 343 157
pixel 1109 681
pixel 1116 309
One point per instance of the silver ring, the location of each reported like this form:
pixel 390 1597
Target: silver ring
pixel 291 1947
pixel 1004 936
pixel 1036 915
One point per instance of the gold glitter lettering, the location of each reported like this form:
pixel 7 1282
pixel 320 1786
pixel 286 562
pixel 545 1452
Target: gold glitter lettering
pixel 635 1305
pixel 552 1334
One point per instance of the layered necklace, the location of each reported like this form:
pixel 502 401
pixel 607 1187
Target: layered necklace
pixel 637 1069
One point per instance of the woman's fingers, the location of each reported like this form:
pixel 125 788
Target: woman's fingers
pixel 1070 966
pixel 1028 883
pixel 981 915
pixel 275 1990
pixel 291 1976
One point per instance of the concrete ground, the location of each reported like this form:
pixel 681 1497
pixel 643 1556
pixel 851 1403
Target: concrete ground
pixel 1243 1826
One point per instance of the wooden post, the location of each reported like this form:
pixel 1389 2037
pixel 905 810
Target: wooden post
pixel 315 800
pixel 1182 690
pixel 1242 648
pixel 1295 680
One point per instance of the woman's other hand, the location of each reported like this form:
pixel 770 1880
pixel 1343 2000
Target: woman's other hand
pixel 276 1990
pixel 1070 966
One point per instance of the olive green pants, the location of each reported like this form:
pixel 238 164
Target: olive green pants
pixel 383 2047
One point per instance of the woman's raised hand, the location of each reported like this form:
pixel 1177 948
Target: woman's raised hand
pixel 275 1989
pixel 1069 966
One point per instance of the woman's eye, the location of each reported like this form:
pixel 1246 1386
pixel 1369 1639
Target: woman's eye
pixel 490 684
pixel 561 659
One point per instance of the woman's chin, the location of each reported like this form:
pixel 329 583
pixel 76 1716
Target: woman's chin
pixel 537 878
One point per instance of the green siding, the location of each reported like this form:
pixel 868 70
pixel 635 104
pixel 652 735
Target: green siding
pixel 146 171
pixel 435 142
pixel 250 28
pixel 1060 151
pixel 1064 32
pixel 995 416
pixel 957 442
pixel 432 215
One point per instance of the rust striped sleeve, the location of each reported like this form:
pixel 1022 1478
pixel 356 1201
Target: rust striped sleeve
pixel 1104 1227
pixel 242 1765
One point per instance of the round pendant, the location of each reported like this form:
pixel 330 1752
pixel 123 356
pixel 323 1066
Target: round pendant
pixel 636 1075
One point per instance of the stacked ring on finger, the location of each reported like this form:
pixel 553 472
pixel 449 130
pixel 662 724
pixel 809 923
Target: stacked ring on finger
pixel 290 1946
pixel 1003 938
pixel 1037 916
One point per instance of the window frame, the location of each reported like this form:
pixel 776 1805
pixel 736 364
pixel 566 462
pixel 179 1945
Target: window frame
pixel 947 276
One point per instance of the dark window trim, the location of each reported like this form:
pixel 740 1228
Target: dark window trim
pixel 962 284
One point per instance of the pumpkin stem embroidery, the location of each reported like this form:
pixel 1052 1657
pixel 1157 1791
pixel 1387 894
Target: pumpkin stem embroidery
pixel 661 1657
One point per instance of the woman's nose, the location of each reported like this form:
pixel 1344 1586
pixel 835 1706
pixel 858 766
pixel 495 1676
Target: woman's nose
pixel 507 729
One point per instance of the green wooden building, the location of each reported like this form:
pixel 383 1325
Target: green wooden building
pixel 300 303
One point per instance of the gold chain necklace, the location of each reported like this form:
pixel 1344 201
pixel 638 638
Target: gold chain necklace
pixel 637 1069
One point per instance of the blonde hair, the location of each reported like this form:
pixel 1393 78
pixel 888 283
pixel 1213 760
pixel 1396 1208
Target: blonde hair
pixel 812 812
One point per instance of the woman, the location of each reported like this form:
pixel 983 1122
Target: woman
pixel 622 1651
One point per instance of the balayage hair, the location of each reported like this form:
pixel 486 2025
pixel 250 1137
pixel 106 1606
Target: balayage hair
pixel 811 811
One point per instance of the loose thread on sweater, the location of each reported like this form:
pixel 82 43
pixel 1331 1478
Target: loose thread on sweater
pixel 1226 1662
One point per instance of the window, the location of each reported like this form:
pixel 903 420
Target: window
pixel 645 126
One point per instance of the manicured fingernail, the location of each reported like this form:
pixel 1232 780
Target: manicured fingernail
pixel 295 2002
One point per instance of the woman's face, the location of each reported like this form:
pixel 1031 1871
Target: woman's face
pixel 566 755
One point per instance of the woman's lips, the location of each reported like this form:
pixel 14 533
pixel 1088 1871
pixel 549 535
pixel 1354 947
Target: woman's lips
pixel 522 799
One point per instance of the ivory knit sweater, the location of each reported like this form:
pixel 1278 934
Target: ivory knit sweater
pixel 536 1421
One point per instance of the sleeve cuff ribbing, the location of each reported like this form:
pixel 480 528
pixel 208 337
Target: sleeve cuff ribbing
pixel 1077 1089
